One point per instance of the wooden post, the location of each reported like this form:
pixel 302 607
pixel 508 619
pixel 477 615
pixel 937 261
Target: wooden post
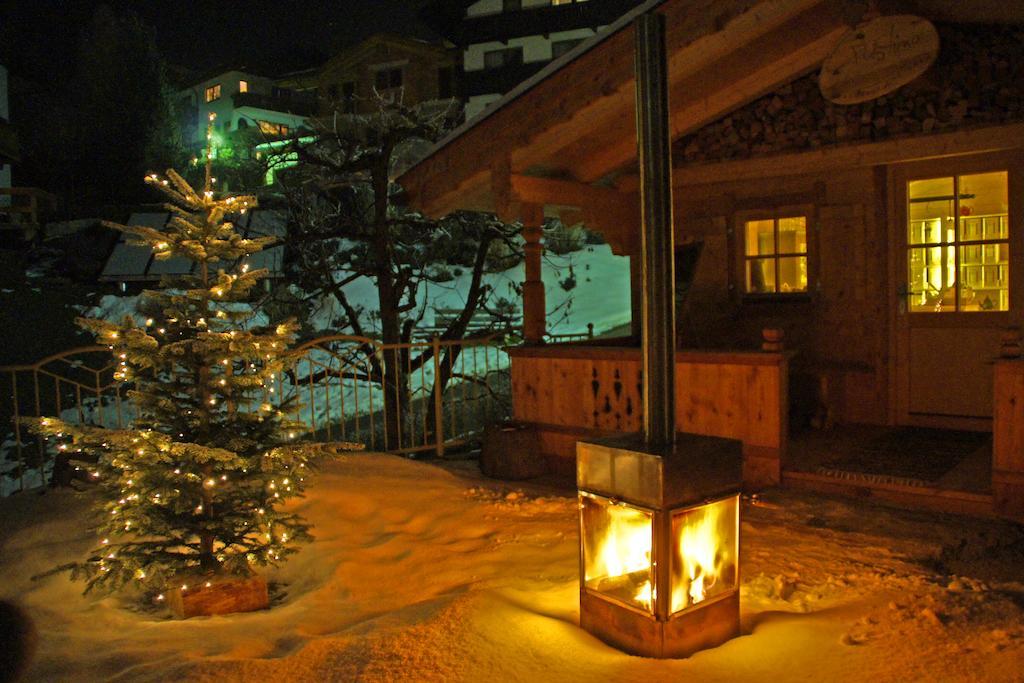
pixel 534 306
pixel 636 296
pixel 657 236
pixel 438 401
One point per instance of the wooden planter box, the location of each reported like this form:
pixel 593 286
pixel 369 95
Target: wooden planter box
pixel 209 595
pixel 512 451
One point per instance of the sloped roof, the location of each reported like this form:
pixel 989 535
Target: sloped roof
pixel 571 127
pixel 575 119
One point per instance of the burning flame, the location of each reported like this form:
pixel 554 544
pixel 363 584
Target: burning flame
pixel 627 547
pixel 621 561
pixel 701 554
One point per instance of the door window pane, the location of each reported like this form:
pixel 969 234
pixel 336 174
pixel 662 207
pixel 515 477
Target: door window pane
pixel 965 220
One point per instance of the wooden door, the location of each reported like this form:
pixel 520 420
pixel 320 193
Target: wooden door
pixel 958 271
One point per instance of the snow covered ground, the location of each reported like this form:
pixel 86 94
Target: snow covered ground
pixel 432 573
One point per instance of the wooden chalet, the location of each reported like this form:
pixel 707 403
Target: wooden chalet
pixel 883 238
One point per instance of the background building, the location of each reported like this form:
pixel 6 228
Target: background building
pixel 8 138
pixel 242 100
pixel 504 42
pixel 391 66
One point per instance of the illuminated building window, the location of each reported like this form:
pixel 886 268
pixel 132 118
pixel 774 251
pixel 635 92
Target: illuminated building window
pixel 958 225
pixel 213 93
pixel 243 86
pixel 274 129
pixel 775 255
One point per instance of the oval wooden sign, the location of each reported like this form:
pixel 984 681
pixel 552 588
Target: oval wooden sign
pixel 878 57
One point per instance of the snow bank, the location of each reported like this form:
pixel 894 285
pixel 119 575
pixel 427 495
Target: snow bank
pixel 427 573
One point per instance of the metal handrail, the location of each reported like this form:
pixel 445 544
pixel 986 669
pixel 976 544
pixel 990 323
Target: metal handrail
pixel 345 398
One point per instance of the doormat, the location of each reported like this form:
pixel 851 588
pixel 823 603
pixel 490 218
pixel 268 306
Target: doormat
pixel 908 456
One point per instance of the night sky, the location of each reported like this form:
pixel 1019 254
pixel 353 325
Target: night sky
pixel 39 37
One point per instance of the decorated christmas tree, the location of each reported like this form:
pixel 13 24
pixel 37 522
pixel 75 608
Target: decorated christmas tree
pixel 196 486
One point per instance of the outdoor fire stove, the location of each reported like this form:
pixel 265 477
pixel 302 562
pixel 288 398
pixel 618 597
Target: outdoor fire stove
pixel 659 512
pixel 659 532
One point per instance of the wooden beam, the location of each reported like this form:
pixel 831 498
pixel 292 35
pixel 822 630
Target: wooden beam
pixel 761 64
pixel 698 36
pixel 578 101
pixel 553 192
pixel 614 215
pixel 979 140
pixel 501 188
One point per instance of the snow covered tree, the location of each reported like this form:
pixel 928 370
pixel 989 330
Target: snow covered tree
pixel 348 222
pixel 196 485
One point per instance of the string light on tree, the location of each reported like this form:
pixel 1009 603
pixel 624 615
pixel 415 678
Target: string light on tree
pixel 205 444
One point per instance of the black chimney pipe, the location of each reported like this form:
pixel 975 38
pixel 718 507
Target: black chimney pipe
pixel 657 242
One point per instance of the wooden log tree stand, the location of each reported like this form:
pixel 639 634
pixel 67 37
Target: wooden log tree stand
pixel 204 596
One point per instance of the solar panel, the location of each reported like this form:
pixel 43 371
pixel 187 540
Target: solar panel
pixel 129 261
pixel 265 224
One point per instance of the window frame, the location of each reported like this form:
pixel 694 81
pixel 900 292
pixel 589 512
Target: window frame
pixel 388 73
pixel 768 211
pixel 505 61
pixel 347 97
pixel 955 172
pixel 243 85
pixel 212 93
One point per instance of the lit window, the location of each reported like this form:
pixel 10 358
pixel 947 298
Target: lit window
pixel 958 224
pixel 213 93
pixel 775 255
pixel 243 86
pixel 495 59
pixel 271 128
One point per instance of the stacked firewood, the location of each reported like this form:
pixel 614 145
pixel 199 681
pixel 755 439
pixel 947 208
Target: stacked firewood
pixel 977 80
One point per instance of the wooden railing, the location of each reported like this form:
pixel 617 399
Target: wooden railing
pixel 338 380
pixel 569 392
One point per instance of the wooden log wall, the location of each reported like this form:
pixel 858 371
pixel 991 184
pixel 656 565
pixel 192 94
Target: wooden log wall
pixel 1008 439
pixel 839 329
pixel 572 392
